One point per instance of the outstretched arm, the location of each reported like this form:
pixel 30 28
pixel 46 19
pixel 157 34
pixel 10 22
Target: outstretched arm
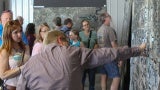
pixel 105 55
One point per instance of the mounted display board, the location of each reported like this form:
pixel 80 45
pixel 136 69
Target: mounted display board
pixel 70 3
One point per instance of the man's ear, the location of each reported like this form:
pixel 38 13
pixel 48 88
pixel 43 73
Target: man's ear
pixel 59 40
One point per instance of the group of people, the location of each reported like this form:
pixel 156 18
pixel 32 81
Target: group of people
pixel 59 59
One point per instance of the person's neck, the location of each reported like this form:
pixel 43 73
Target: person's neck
pixel 16 46
pixel 107 24
pixel 86 32
pixel 75 40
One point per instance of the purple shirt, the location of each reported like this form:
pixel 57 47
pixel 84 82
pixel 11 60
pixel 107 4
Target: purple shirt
pixel 60 67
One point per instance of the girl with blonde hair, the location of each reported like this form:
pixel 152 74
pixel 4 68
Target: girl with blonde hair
pixel 42 30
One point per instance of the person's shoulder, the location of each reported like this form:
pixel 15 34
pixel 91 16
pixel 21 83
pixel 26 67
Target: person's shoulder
pixel 81 33
pixel 102 27
pixel 111 28
pixel 63 28
pixel 4 53
pixel 38 44
pixel 93 32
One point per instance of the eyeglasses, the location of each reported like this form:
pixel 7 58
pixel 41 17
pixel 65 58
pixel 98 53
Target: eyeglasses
pixel 44 31
pixel 85 25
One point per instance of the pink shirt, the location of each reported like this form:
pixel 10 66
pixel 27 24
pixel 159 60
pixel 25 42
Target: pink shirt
pixel 37 48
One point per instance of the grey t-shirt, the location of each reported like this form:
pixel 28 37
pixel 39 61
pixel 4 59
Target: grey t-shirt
pixel 106 35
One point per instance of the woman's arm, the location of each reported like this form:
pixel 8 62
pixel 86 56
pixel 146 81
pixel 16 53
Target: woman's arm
pixel 81 44
pixel 5 71
pixel 26 54
pixel 95 46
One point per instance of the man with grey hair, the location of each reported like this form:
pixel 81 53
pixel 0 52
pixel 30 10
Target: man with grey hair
pixel 20 19
pixel 106 37
pixel 6 16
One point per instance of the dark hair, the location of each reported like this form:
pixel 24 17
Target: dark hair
pixel 30 29
pixel 76 32
pixel 68 20
pixel 84 20
pixel 57 21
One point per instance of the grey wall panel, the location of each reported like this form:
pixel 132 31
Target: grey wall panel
pixel 77 14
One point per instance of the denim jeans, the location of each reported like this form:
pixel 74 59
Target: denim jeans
pixel 91 76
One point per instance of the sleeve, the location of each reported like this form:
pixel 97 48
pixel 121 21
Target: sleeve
pixel 24 38
pixel 36 49
pixel 112 35
pixel 22 83
pixel 104 55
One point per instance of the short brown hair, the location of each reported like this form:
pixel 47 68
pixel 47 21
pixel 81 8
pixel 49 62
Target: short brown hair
pixel 51 37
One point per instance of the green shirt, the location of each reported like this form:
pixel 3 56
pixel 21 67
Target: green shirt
pixel 85 39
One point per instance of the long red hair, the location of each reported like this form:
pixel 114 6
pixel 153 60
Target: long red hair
pixel 7 36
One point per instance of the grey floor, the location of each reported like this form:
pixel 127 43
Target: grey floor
pixel 97 85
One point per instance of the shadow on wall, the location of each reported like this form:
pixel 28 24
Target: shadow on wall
pixel 77 14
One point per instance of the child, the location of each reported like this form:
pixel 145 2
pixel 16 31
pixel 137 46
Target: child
pixel 74 39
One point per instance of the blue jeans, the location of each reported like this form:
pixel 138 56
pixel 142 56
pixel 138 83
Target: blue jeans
pixel 91 75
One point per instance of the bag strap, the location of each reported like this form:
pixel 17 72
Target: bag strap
pixel 23 56
pixel 89 39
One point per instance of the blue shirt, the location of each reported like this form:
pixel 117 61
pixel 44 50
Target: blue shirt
pixel 77 44
pixel 1 31
pixel 24 38
pixel 65 29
